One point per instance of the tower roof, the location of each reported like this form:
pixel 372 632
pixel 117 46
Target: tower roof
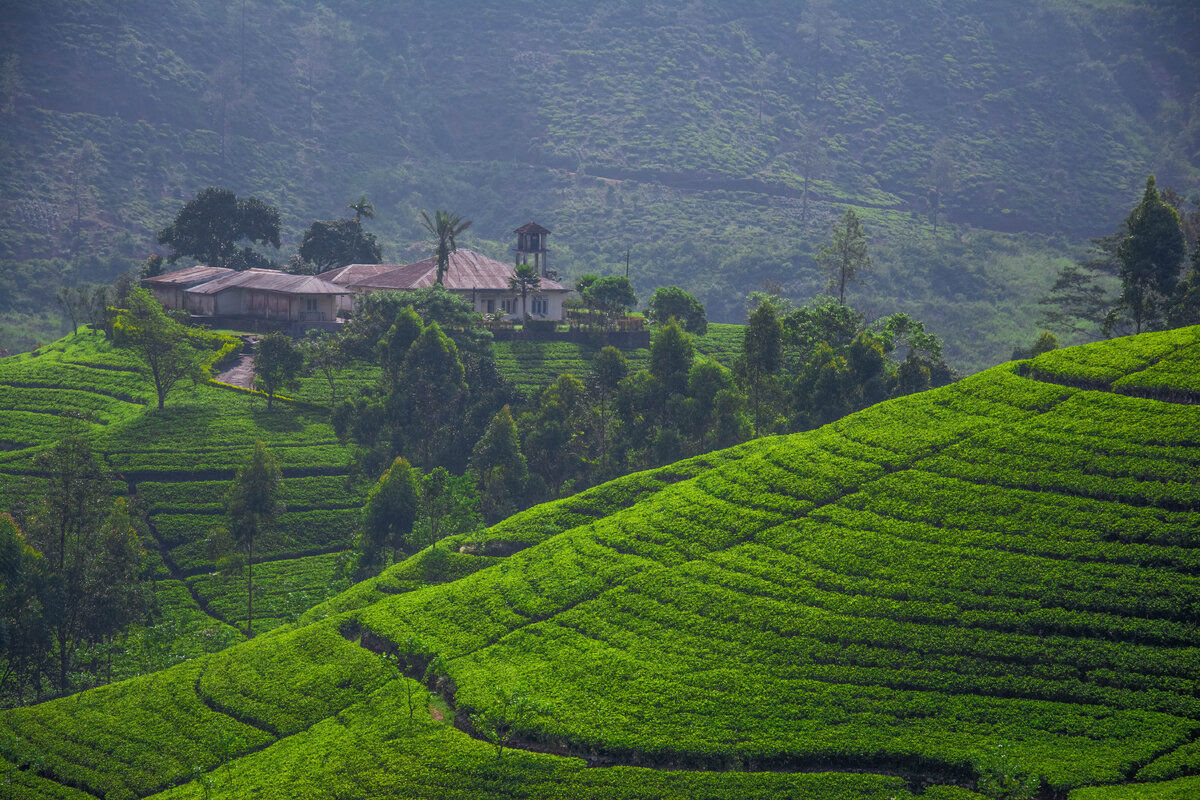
pixel 531 227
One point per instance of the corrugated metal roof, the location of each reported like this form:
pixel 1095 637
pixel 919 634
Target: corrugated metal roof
pixel 187 277
pixel 531 227
pixel 467 270
pixel 344 276
pixel 269 280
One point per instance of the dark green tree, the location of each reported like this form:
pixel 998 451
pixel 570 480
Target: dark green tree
pixel 762 357
pixel 389 515
pixel 166 348
pixel 500 467
pixel 611 295
pixel 435 381
pixel 609 368
pixel 333 243
pixel 845 256
pixel 446 227
pixel 26 601
pixel 555 432
pixel 1151 255
pixel 671 301
pixel 252 504
pixel 671 357
pixel 525 281
pixel 277 363
pixel 210 226
pixel 450 505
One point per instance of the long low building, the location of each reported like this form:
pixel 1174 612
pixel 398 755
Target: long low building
pixel 264 294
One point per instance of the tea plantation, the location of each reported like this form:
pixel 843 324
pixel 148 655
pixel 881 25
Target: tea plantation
pixel 985 590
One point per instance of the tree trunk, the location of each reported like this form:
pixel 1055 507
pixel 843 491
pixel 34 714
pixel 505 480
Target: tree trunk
pixel 250 590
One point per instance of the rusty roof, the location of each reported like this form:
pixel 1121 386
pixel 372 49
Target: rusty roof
pixel 531 227
pixel 467 271
pixel 269 280
pixel 187 277
pixel 344 276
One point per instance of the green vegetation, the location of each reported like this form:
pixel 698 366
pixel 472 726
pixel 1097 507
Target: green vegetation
pixel 717 146
pixel 976 591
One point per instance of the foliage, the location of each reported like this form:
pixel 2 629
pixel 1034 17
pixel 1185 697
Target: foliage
pixel 210 226
pixel 610 295
pixel 1151 254
pixel 845 256
pixel 671 301
pixel 277 363
pixel 252 505
pixel 446 227
pixel 169 351
pixel 389 515
pixel 524 281
pixel 328 244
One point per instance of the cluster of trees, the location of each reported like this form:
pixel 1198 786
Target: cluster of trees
pixel 72 574
pixel 1148 259
pixel 441 402
pixel 212 226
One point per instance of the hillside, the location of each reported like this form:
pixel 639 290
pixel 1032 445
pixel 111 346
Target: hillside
pixel 987 587
pixel 715 143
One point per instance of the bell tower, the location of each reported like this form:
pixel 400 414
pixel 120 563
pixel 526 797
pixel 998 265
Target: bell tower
pixel 531 244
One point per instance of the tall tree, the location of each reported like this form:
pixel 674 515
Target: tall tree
pixel 611 295
pixel 362 208
pixel 64 526
pixel 166 348
pixel 210 226
pixel 1151 256
pixel 500 466
pixel 253 503
pixel 446 227
pixel 845 256
pixel 436 383
pixel 762 355
pixel 389 514
pixel 277 363
pixel 324 355
pixel 328 244
pixel 26 598
pixel 671 357
pixel 525 280
pixel 609 368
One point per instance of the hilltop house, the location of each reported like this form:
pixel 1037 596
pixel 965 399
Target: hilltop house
pixel 483 281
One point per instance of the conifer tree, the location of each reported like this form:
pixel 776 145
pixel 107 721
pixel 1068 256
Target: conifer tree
pixel 1151 256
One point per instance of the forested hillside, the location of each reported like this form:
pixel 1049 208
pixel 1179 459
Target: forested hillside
pixel 714 142
pixel 986 590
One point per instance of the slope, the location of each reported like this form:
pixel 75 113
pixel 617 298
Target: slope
pixel 989 584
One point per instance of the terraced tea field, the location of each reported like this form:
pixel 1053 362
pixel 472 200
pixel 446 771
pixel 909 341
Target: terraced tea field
pixel 179 461
pixel 985 590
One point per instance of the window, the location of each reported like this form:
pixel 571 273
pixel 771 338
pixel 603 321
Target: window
pixel 508 306
pixel 491 306
pixel 310 304
pixel 540 307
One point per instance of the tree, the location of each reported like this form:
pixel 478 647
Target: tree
pixel 210 226
pixel 68 526
pixel 116 595
pixel 166 348
pixel 609 368
pixel 610 295
pixel 555 432
pixel 446 227
pixel 362 208
pixel 253 503
pixel 1151 255
pixel 85 163
pixel 762 354
pixel 26 599
pixel 509 713
pixel 845 256
pixel 500 466
pixel 449 505
pixel 671 301
pixel 277 363
pixel 671 357
pixel 324 355
pixel 333 243
pixel 434 377
pixel 525 280
pixel 389 514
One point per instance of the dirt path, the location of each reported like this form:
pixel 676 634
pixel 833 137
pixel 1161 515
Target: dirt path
pixel 242 372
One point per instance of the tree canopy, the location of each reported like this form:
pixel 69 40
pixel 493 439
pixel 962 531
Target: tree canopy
pixel 333 243
pixel 671 301
pixel 210 226
pixel 166 348
pixel 446 227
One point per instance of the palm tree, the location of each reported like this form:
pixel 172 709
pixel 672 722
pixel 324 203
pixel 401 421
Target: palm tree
pixel 362 208
pixel 445 226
